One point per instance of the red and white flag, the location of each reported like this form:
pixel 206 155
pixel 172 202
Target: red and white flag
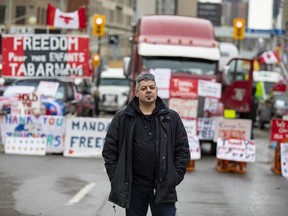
pixel 269 57
pixel 71 20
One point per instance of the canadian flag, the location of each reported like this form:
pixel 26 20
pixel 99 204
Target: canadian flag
pixel 60 19
pixel 269 57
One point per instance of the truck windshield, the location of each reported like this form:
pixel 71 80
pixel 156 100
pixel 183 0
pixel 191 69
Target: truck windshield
pixel 181 65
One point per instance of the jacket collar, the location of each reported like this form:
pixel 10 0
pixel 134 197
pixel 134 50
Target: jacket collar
pixel 133 105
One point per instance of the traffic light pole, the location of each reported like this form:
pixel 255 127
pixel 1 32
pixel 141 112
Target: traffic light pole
pixel 99 46
pixel 238 44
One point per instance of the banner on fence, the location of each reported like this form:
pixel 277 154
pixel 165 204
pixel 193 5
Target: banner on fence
pixel 85 136
pixel 25 145
pixel 52 128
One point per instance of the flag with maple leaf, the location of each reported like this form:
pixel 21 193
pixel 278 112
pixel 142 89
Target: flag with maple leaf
pixel 269 57
pixel 69 20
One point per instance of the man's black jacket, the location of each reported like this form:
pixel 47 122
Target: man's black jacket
pixel 172 150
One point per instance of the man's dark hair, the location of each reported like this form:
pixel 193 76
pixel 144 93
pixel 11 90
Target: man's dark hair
pixel 145 76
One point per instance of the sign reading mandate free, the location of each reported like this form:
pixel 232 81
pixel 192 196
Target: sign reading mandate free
pixel 45 55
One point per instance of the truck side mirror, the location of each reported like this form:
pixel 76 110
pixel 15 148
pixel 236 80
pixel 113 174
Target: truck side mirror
pixel 126 66
pixel 226 75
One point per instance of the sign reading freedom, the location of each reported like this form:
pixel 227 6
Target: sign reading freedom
pixel 45 55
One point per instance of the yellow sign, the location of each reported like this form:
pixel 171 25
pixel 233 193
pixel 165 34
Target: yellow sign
pixel 231 114
pixel 239 28
pixel 98 27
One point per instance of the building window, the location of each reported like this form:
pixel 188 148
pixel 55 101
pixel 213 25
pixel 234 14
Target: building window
pixel 119 14
pixel 2 14
pixel 38 15
pixel 20 14
pixel 43 21
pixel 128 20
pixel 111 16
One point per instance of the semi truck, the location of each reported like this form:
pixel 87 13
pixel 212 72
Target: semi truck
pixel 183 51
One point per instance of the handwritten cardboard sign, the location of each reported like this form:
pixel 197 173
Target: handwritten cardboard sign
pixel 232 129
pixel 236 150
pixel 284 159
pixel 279 130
pixel 85 136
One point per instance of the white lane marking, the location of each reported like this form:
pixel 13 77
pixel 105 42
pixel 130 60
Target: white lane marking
pixel 81 194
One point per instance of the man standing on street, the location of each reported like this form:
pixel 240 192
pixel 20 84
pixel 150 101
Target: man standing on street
pixel 146 152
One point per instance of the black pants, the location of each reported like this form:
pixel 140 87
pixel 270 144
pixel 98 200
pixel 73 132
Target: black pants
pixel 141 199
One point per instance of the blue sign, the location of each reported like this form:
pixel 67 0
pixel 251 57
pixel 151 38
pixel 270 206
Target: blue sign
pixel 267 31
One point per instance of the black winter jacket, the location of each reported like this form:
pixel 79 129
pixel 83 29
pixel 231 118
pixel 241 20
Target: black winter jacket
pixel 172 150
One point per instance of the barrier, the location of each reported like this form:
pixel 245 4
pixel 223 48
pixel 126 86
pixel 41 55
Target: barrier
pixel 230 166
pixel 191 166
pixel 278 135
pixel 276 168
pixel 234 145
pixel 233 154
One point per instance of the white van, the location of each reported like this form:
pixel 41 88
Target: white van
pixel 113 90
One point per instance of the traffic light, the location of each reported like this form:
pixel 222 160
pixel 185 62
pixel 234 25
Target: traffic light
pixel 95 60
pixel 98 25
pixel 239 28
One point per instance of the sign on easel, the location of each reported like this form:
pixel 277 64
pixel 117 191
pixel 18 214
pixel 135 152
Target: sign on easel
pixel 236 150
pixel 194 147
pixel 25 145
pixel 284 159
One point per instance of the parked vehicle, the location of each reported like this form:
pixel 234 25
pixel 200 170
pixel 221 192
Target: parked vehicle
pixel 66 94
pixel 4 83
pixel 88 104
pixel 264 82
pixel 274 107
pixel 280 105
pixel 113 90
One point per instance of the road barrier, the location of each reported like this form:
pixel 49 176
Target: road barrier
pixel 278 135
pixel 276 168
pixel 191 165
pixel 230 166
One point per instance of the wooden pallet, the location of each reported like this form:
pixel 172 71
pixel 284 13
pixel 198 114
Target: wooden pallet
pixel 276 168
pixel 191 166
pixel 230 166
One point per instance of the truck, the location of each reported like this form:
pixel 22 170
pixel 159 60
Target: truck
pixel 113 90
pixel 227 52
pixel 184 53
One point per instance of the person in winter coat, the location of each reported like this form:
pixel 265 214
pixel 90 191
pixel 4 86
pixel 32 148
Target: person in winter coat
pixel 146 152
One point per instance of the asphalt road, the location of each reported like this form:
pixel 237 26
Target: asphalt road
pixel 54 185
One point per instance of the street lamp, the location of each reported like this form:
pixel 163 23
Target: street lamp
pixel 31 21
